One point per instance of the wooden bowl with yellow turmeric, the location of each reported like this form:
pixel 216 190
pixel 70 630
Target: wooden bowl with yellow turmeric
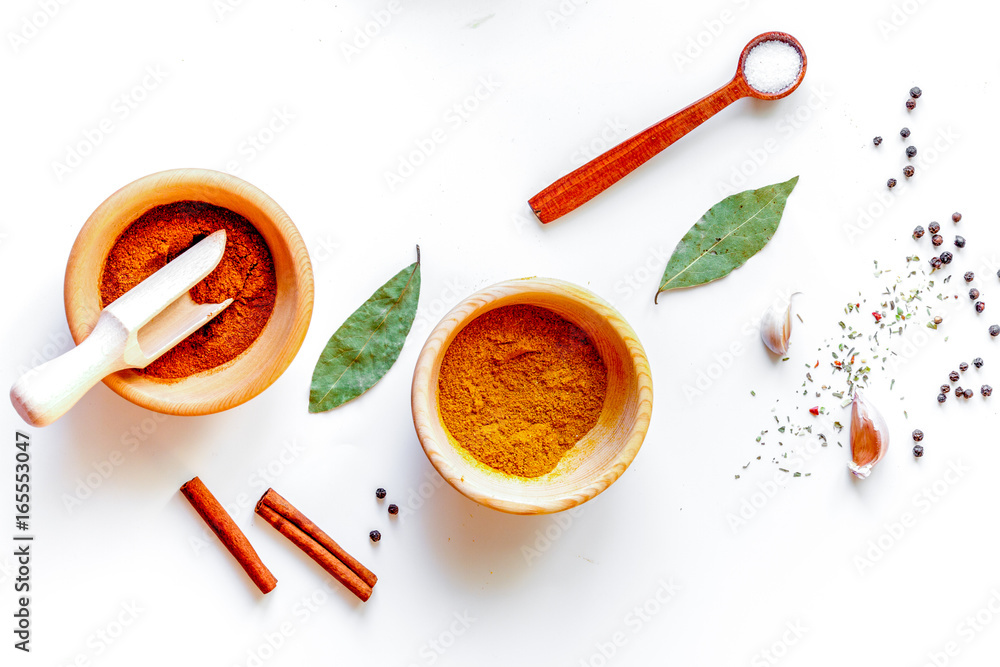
pixel 532 396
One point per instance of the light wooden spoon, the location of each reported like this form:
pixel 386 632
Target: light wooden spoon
pixel 132 332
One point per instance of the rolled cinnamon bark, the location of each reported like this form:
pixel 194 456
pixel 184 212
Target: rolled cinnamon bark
pixel 316 544
pixel 228 533
pixel 286 510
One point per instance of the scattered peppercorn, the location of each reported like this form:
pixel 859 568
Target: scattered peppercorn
pixel 986 390
pixel 938 319
pixel 915 92
pixel 942 398
pixel 911 104
pixel 973 294
pixel 945 388
pixel 995 330
pixel 978 362
pixel 937 239
pixel 393 508
pixel 918 232
pixel 908 171
pixel 918 435
pixel 959 241
pixel 380 493
pixel 936 262
pixel 918 451
pixel 963 367
pixel 980 306
pixel 905 132
pixel 959 392
pixel 969 393
pixel 891 183
pixel 877 141
pixel 953 376
pixel 375 536
pixel 946 257
pixel 956 216
pixel 969 276
pixel 911 151
pixel 934 227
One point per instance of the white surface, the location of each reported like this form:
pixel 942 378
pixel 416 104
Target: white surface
pixel 553 88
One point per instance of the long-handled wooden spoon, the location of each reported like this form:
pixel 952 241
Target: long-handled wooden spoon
pixel 605 170
pixel 132 332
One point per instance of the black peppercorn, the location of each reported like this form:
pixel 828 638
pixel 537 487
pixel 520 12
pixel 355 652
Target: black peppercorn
pixel 942 398
pixel 953 376
pixel 937 239
pixel 938 319
pixel 956 216
pixel 946 257
pixel 935 262
pixel 963 367
pixel 973 294
pixel 877 141
pixel 969 276
pixel 934 228
pixel 375 536
pixel 911 151
pixel 918 451
pixel 918 232
pixel 959 241
pixel 911 104
pixel 905 132
pixel 959 392
pixel 380 493
pixel 986 390
pixel 995 330
pixel 915 92
pixel 969 393
pixel 945 388
pixel 980 306
pixel 918 435
pixel 393 509
pixel 978 362
pixel 908 171
pixel 891 183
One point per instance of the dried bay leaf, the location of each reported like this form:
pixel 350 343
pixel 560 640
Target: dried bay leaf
pixel 368 343
pixel 730 233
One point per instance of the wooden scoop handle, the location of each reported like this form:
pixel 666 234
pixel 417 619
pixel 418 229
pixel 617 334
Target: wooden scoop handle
pixel 45 393
pixel 605 170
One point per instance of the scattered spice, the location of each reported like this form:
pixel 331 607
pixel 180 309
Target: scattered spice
pixel 956 217
pixel 393 509
pixel 986 390
pixel 877 141
pixel 969 393
pixel 908 171
pixel 937 239
pixel 918 435
pixel 905 132
pixel 946 257
pixel 954 376
pixel 911 151
pixel 978 362
pixel 519 386
pixel 245 274
pixel 915 92
pixel 945 388
pixel 918 232
pixel 891 183
pixel 918 451
pixel 380 493
pixel 973 294
pixel 959 241
pixel 980 306
pixel 969 276
pixel 995 330
pixel 911 104
pixel 934 227
pixel 942 398
pixel 375 536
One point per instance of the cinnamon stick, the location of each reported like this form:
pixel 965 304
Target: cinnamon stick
pixel 229 533
pixel 319 546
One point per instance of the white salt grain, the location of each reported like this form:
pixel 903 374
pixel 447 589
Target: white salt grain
pixel 772 66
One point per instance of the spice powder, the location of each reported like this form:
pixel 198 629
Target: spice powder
pixel 245 273
pixel 519 386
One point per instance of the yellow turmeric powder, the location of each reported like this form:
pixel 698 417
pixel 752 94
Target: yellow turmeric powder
pixel 519 386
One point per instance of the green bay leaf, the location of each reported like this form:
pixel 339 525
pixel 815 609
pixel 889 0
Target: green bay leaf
pixel 730 233
pixel 368 343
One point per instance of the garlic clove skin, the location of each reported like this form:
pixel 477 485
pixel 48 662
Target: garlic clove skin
pixel 776 328
pixel 869 436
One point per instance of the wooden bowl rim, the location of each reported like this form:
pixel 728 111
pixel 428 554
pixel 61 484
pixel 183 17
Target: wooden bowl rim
pixel 425 415
pixel 145 394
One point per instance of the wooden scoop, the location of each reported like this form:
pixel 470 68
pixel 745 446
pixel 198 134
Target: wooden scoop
pixel 132 332
pixel 593 178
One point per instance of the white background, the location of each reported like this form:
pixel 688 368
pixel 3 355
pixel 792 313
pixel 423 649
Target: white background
pixel 567 72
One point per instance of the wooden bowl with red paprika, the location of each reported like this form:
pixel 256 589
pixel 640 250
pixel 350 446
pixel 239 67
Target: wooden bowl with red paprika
pixel 265 267
pixel 532 396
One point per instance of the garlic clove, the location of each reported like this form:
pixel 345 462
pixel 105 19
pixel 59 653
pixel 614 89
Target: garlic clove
pixel 776 328
pixel 869 436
